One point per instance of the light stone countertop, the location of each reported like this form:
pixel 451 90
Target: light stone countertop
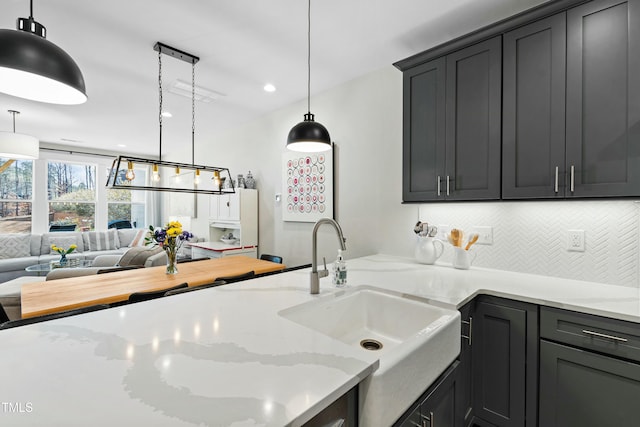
pixel 224 357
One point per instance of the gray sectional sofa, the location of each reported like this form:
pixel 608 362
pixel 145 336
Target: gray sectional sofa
pixel 18 251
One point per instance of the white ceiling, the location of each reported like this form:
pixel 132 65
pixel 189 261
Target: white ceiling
pixel 242 44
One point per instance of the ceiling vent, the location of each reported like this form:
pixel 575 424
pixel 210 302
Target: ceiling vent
pixel 182 88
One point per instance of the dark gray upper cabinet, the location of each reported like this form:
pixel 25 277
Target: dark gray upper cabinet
pixel 424 130
pixel 544 105
pixel 533 121
pixel 603 99
pixel 474 77
pixel 451 141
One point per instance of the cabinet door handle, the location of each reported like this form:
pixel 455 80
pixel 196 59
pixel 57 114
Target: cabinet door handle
pixel 430 419
pixel 573 175
pixel 555 187
pixel 439 185
pixel 599 335
pixel 470 323
pixel 447 185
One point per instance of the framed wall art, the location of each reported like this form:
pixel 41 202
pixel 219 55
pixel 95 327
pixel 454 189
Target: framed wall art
pixel 307 186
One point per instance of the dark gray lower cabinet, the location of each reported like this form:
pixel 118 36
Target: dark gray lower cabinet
pixel 589 370
pixel 504 362
pixel 437 406
pixel 579 388
pixel 343 412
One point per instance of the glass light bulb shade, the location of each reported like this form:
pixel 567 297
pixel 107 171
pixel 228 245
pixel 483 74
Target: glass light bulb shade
pixel 32 67
pixel 155 176
pixel 196 178
pixel 130 174
pixel 18 146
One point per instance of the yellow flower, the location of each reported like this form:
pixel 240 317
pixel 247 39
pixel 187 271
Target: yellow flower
pixel 73 246
pixel 174 231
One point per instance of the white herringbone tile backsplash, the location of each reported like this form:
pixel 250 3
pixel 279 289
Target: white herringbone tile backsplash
pixel 531 237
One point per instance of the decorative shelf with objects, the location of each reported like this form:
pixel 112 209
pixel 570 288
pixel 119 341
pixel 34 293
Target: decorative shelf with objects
pixel 233 226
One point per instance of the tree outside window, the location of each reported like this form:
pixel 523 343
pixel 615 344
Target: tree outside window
pixel 16 192
pixel 72 196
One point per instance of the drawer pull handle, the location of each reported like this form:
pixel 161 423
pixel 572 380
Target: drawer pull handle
pixel 573 178
pixel 430 418
pixel 470 323
pixel 439 185
pixel 599 335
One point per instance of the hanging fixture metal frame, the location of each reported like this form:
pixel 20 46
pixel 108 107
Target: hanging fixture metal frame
pixel 116 178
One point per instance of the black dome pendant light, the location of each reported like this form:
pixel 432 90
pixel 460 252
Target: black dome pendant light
pixel 32 67
pixel 309 135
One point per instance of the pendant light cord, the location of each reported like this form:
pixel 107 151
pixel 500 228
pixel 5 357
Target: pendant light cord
pixel 160 100
pixel 309 58
pixel 193 112
pixel 31 9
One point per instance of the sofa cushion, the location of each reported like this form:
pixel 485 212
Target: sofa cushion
pixel 36 242
pixel 49 239
pixel 15 245
pixel 18 264
pixel 138 255
pixel 138 239
pixel 127 235
pixel 101 240
pixel 63 242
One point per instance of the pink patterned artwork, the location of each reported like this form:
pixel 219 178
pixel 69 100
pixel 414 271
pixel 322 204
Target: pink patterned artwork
pixel 308 189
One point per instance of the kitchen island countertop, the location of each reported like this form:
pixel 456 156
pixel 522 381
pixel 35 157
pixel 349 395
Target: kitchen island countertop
pixel 224 357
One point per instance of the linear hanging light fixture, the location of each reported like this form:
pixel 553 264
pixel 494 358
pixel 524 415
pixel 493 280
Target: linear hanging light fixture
pixel 205 179
pixel 32 67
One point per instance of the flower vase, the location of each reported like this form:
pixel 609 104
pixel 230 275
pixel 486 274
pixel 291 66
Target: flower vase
pixel 63 259
pixel 172 262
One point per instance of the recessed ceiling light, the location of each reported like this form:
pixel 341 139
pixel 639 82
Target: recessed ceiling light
pixel 122 145
pixel 166 114
pixel 269 88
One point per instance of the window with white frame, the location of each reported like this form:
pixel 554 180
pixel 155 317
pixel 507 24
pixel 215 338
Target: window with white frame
pixel 127 208
pixel 71 189
pixel 16 193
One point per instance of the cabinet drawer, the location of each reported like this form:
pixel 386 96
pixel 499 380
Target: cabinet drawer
pixel 610 336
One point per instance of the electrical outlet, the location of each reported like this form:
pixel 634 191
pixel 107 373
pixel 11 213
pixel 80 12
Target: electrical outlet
pixel 485 234
pixel 443 231
pixel 575 240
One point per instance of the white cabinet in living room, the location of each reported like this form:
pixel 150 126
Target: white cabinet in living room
pixel 225 207
pixel 235 213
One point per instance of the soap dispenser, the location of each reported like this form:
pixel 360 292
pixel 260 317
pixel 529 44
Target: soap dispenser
pixel 340 271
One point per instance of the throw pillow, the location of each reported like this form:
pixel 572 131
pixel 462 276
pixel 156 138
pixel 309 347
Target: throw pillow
pixel 138 255
pixel 49 239
pixel 63 242
pixel 101 240
pixel 15 245
pixel 138 239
